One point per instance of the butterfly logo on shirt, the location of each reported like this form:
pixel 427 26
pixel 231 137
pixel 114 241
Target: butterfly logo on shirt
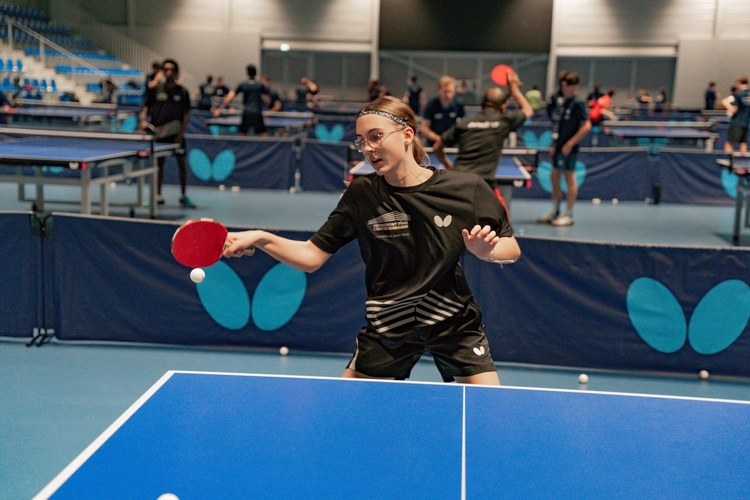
pixel 445 222
pixel 479 350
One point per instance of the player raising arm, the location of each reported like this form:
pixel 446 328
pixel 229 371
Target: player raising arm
pixel 412 225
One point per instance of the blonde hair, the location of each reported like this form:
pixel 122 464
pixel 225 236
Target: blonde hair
pixel 446 80
pixel 402 111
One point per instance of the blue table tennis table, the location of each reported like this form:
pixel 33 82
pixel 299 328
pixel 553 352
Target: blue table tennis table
pixel 512 171
pixel 739 165
pixel 289 121
pixel 60 158
pixel 693 134
pixel 82 116
pixel 219 435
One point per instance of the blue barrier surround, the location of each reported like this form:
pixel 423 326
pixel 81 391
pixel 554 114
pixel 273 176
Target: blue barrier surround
pixel 598 305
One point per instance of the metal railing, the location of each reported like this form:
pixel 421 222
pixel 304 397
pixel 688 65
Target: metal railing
pixel 75 61
pixel 108 38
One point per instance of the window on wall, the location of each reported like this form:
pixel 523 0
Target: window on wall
pixel 341 76
pixel 622 74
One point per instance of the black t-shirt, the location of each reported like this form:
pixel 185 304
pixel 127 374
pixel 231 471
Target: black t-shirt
pixel 410 240
pixel 207 91
pixel 221 91
pixel 415 93
pixel 273 96
pixel 710 99
pixel 252 92
pixel 440 118
pixel 742 116
pixel 480 139
pixel 167 103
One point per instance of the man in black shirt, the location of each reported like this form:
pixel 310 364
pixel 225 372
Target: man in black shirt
pixel 165 103
pixel 480 137
pixel 252 115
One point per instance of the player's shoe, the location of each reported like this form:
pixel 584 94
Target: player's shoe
pixel 159 200
pixel 186 203
pixel 563 220
pixel 547 218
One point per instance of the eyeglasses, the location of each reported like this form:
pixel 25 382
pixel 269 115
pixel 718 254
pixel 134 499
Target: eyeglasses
pixel 374 139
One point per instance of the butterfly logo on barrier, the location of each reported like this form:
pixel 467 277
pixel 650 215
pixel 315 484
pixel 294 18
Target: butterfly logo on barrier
pixel 544 173
pixel 205 169
pixel 53 170
pixel 729 182
pixel 443 222
pixel 531 140
pixel 276 299
pixel 129 124
pixel 657 316
pixel 217 130
pixel 335 134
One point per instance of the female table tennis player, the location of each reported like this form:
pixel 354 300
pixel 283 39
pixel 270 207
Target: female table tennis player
pixel 412 224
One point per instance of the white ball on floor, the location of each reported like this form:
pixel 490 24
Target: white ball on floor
pixel 222 187
pixel 235 189
pixel 596 201
pixel 284 351
pixel 615 201
pixel 583 378
pixel 703 374
pixel 168 496
pixel 197 275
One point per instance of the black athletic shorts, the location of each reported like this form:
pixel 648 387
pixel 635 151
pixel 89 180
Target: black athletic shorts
pixel 458 345
pixel 737 135
pixel 171 140
pixel 252 121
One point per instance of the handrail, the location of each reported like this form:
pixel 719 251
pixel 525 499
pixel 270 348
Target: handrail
pixel 109 38
pixel 44 40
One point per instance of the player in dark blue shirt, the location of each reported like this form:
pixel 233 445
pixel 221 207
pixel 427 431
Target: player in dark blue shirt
pixel 571 122
pixel 710 96
pixel 205 93
pixel 271 101
pixel 739 105
pixel 441 112
pixel 252 95
pixel 414 95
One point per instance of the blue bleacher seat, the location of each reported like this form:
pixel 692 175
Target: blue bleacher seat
pixel 43 85
pixel 53 85
pixel 9 65
pixel 19 66
pixel 35 83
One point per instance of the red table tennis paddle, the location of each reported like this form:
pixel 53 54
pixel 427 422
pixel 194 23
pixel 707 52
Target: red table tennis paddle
pixel 200 243
pixel 500 73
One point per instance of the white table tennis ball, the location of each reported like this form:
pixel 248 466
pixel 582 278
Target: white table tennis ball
pixel 583 378
pixel 615 201
pixel 596 201
pixel 168 496
pixel 703 374
pixel 197 275
pixel 284 350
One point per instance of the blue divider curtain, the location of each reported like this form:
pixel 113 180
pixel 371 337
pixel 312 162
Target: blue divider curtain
pixel 21 307
pixel 563 303
pixel 324 165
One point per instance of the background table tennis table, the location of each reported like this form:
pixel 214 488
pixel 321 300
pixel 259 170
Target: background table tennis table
pixel 511 171
pixel 288 120
pixel 212 435
pixel 696 134
pixel 740 166
pixel 98 159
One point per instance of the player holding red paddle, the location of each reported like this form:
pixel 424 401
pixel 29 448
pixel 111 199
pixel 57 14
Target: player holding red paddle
pixel 412 225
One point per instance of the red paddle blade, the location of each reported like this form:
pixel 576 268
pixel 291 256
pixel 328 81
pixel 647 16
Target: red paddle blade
pixel 499 74
pixel 199 243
